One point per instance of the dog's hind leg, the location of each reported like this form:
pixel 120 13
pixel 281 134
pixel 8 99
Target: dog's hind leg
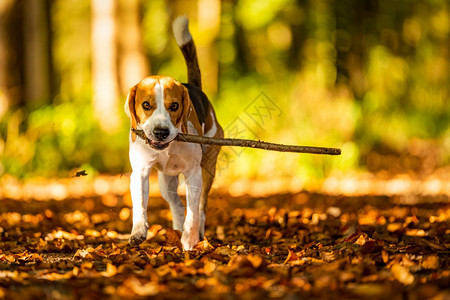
pixel 168 186
pixel 208 173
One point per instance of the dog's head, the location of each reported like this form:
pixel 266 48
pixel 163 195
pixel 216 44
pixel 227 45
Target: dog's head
pixel 160 106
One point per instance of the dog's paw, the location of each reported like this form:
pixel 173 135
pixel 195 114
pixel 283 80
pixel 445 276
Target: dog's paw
pixel 189 241
pixel 138 234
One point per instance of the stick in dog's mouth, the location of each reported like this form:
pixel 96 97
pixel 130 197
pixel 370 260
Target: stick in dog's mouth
pixel 188 138
pixel 150 142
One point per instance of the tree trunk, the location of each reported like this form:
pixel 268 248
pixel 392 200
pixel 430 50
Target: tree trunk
pixel 104 70
pixel 133 64
pixel 208 25
pixel 37 52
pixel 11 75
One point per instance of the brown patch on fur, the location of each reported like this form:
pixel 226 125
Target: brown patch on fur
pixel 174 92
pixel 131 111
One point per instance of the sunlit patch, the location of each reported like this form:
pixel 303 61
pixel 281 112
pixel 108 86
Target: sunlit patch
pixel 100 218
pixel 394 227
pixel 101 186
pixel 77 216
pixel 92 232
pixel 368 218
pixel 415 232
pixel 111 270
pixel 110 200
pixel 113 234
pixel 11 218
pixel 404 186
pixel 58 191
pixel 166 214
pixel 432 186
pixel 124 213
pixel 61 234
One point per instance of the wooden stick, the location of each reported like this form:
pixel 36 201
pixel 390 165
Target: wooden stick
pixel 189 138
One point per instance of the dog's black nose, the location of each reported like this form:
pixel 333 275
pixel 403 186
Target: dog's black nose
pixel 161 133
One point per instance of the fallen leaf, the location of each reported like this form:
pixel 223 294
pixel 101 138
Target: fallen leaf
pixel 80 173
pixel 256 260
pixel 385 256
pixel 83 253
pixel 402 274
pixel 173 238
pixel 225 250
pixel 132 284
pixel 111 270
pixel 430 262
pixel 204 245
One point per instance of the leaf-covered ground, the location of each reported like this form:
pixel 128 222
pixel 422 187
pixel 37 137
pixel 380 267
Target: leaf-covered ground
pixel 283 246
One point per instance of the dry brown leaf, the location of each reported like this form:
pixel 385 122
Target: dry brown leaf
pixel 328 256
pixel 173 238
pixel 291 257
pixel 430 262
pixel 415 232
pixel 393 227
pixel 402 274
pixel 256 260
pixel 433 245
pixel 204 245
pixel 385 256
pixel 132 284
pixel 363 250
pixel 111 270
pixel 225 250
pixel 83 253
pixel 362 239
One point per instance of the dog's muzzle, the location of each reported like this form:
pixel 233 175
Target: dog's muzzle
pixel 160 134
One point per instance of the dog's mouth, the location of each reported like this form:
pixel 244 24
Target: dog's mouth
pixel 158 145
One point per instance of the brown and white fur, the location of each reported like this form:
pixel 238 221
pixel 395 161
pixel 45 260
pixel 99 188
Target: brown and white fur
pixel 162 107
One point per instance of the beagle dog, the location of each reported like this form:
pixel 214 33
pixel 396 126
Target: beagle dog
pixel 163 107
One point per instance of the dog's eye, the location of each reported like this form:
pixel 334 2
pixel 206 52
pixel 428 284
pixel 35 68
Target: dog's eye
pixel 174 106
pixel 146 105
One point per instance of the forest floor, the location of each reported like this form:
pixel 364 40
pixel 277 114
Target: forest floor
pixel 295 245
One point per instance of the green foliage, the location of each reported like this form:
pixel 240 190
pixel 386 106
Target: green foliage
pixel 55 140
pixel 361 77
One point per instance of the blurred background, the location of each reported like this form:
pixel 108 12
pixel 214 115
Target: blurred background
pixel 370 77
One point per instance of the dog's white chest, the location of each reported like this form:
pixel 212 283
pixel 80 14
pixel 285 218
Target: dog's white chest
pixel 172 165
pixel 177 158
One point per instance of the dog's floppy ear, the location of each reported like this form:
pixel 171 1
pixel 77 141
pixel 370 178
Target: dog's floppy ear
pixel 131 111
pixel 186 103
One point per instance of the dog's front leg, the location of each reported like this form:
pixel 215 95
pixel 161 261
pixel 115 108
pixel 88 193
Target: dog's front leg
pixel 190 236
pixel 139 188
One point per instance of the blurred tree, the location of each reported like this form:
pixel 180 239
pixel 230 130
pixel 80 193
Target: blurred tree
pixel 37 52
pixel 243 62
pixel 354 28
pixel 133 64
pixel 11 52
pixel 104 69
pixel 71 42
pixel 295 15
pixel 378 69
pixel 208 26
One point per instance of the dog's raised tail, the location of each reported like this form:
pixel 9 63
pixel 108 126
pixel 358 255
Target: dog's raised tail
pixel 186 43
